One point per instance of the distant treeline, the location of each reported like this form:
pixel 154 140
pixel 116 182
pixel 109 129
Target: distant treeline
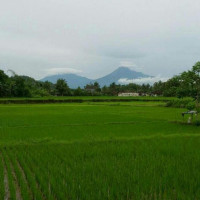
pixel 185 84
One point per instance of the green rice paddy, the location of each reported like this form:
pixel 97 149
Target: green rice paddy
pixel 106 150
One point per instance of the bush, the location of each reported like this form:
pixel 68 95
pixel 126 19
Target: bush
pixel 198 107
pixel 191 105
pixel 197 122
pixel 40 93
pixel 181 103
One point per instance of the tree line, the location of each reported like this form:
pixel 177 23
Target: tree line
pixel 182 85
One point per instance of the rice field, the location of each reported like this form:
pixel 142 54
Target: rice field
pixel 105 150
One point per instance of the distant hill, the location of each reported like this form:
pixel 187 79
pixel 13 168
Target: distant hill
pixel 75 81
pixel 121 72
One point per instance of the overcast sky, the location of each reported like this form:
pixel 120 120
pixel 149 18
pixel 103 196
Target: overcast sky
pixel 94 37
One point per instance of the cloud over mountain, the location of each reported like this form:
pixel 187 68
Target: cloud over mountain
pixel 142 80
pixel 55 71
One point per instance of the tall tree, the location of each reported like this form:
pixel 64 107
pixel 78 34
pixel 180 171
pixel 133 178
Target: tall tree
pixel 113 89
pixel 19 88
pixel 78 92
pixel 97 87
pixel 62 87
pixel 4 87
pixel 196 78
pixel 48 86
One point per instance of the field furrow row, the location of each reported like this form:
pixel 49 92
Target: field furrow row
pixel 5 192
pixel 35 187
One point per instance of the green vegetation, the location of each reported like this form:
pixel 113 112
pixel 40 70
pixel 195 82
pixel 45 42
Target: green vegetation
pixel 98 150
pixel 140 98
pixel 188 103
pixel 81 99
pixel 187 84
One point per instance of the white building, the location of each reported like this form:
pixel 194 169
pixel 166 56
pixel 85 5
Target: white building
pixel 128 94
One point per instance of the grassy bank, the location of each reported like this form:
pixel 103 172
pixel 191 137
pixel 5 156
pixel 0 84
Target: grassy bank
pixel 81 99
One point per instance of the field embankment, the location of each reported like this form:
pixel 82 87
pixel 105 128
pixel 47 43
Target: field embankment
pixel 47 100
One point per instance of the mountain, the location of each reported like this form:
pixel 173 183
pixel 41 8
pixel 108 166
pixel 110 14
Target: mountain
pixel 73 80
pixel 120 73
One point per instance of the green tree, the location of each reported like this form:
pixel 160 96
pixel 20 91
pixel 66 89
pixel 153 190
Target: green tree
pixel 62 88
pixel 196 79
pixel 105 90
pixel 78 92
pixel 97 87
pixel 48 86
pixel 158 88
pixel 113 89
pixel 4 85
pixel 18 87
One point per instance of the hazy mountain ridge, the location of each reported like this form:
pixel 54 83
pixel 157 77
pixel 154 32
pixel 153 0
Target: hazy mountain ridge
pixel 74 80
pixel 120 73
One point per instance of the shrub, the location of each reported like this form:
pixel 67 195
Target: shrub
pixel 181 103
pixel 190 105
pixel 197 122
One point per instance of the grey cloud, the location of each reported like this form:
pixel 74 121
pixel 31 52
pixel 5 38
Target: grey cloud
pixel 162 36
pixel 63 70
pixel 122 53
